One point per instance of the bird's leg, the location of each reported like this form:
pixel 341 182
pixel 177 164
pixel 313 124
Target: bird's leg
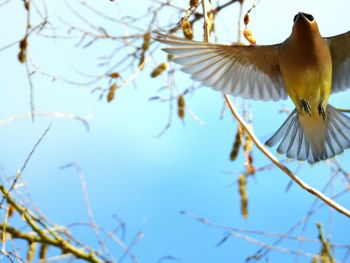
pixel 322 110
pixel 306 106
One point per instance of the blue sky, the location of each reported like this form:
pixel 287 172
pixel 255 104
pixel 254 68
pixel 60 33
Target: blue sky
pixel 146 180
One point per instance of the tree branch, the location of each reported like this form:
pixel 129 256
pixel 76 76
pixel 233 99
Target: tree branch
pixel 282 167
pixel 42 235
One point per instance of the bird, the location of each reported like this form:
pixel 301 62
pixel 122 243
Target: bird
pixel 306 67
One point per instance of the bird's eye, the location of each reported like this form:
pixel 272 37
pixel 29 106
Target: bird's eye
pixel 309 17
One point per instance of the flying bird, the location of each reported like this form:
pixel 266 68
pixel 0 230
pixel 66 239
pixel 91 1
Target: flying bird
pixel 306 67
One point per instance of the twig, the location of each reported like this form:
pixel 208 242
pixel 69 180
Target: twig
pixel 88 209
pixel 69 116
pixel 31 92
pixel 29 73
pixel 42 236
pixel 198 16
pixel 284 169
pixel 205 24
pixel 262 252
pixel 234 233
pixel 20 171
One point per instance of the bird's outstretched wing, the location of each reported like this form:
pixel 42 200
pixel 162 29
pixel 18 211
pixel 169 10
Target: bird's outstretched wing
pixel 340 51
pixel 251 72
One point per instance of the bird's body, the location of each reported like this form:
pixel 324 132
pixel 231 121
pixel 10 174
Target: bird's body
pixel 306 66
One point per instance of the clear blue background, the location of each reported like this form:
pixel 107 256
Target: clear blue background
pixel 146 180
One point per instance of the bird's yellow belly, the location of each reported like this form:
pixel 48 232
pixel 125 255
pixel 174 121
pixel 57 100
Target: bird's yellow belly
pixel 310 85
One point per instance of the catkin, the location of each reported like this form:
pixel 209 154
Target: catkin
pixel 247 147
pixel 181 107
pixel 10 211
pixel 111 92
pixel 193 3
pixel 211 18
pixel 325 252
pixel 22 57
pixel 26 5
pixel 114 75
pixel 187 29
pixel 159 69
pixel 249 165
pixel 248 34
pixel 31 251
pixel 246 19
pixel 242 188
pixel 145 47
pixel 146 41
pixel 237 143
pixel 43 251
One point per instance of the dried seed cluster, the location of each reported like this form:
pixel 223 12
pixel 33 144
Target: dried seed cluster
pixel 23 44
pixel 145 46
pixel 247 33
pixel 181 107
pixel 187 29
pixel 237 143
pixel 242 189
pixel 159 69
pixel 111 92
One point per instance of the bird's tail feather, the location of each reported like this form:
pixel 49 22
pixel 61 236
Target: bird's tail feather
pixel 312 138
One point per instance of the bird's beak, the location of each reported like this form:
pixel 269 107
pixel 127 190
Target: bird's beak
pixel 299 16
pixel 303 17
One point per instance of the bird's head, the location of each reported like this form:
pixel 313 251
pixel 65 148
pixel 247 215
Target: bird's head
pixel 304 23
pixel 303 18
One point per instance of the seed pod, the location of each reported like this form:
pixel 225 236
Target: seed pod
pixel 181 102
pixel 241 131
pixel 236 144
pixel 22 56
pixel 325 253
pixel 244 207
pixel 26 5
pixel 242 182
pixel 187 29
pixel 22 50
pixel 23 44
pixel 246 19
pixel 145 47
pixel 142 61
pixel 181 107
pixel 250 169
pixel 193 3
pixel 248 144
pixel 249 165
pixel 10 211
pixel 249 36
pixel 235 147
pixel 211 18
pixel 43 251
pixel 111 92
pixel 146 41
pixel 242 188
pixel 114 75
pixel 159 70
pixel 31 251
pixel 181 113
